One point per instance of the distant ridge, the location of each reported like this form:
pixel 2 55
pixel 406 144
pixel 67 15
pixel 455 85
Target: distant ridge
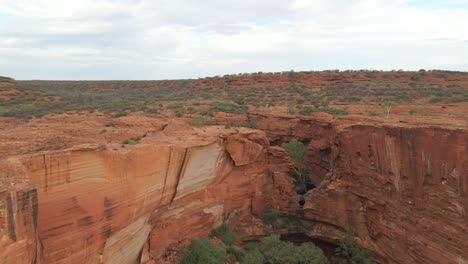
pixel 6 81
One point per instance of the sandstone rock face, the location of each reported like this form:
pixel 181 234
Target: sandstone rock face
pixel 96 205
pixel 18 216
pixel 316 133
pixel 402 191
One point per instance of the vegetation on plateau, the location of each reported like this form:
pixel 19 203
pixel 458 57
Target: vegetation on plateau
pixel 219 94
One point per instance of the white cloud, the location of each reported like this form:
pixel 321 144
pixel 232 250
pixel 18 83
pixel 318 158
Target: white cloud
pixel 128 39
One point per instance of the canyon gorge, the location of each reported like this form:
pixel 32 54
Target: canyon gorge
pixel 71 192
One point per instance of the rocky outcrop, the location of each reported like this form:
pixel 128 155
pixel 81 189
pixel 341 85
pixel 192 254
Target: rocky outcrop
pixel 97 205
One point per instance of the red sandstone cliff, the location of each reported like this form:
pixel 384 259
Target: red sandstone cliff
pixel 400 189
pixel 91 204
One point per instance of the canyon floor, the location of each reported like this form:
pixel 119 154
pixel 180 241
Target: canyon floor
pixel 131 171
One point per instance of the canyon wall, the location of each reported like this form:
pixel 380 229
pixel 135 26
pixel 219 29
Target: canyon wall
pixel 401 190
pixel 97 205
pixel 18 216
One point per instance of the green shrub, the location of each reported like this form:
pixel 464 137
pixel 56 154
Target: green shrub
pixel 225 234
pixel 202 251
pixel 334 111
pixel 270 216
pixel 198 121
pixel 132 141
pixel 119 114
pixel 297 153
pixel 178 109
pixel 435 100
pixel 252 124
pixel 237 253
pixel 375 113
pixel 226 107
pixel 253 256
pixel 354 254
pixel 416 111
pixel 289 220
pixel 228 125
pixel 276 251
pixel 307 110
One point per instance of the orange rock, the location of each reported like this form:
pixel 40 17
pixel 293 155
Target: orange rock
pixel 105 203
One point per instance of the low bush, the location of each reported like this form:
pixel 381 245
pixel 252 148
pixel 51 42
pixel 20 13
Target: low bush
pixel 225 234
pixel 218 106
pixel 252 124
pixel 198 121
pixel 202 251
pixel 237 253
pixel 334 111
pixel 416 111
pixel 275 251
pixel 354 254
pixel 270 216
pixel 132 141
pixel 306 110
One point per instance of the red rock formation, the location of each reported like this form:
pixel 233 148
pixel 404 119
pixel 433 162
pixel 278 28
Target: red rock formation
pixel 98 205
pixel 18 216
pixel 402 191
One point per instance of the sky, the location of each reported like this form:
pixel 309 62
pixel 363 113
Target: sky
pixel 175 39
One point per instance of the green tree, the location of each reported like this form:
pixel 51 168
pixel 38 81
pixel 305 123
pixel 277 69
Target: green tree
pixel 354 254
pixel 224 233
pixel 253 256
pixel 276 251
pixel 297 152
pixel 388 106
pixel 202 251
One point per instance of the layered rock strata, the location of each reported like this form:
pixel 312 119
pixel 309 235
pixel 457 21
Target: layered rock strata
pixel 96 205
pixel 401 190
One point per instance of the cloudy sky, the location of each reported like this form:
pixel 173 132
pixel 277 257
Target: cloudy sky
pixel 168 39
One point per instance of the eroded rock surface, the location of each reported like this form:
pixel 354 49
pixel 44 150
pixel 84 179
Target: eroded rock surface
pixel 108 204
pixel 402 191
pixel 80 196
